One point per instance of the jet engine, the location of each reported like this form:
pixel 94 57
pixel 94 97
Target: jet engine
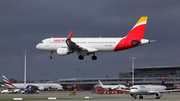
pixel 158 94
pixel 62 51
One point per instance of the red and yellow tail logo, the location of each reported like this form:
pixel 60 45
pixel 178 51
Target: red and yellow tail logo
pixel 137 32
pixel 134 37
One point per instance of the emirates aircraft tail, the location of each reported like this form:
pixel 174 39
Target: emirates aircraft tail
pixel 7 82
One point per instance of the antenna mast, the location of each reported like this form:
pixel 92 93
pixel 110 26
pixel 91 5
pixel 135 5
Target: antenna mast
pixel 25 68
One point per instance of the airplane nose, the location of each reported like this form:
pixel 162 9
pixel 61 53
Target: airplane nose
pixel 37 46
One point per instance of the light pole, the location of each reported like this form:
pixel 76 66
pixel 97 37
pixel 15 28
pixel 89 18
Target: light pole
pixel 132 69
pixel 25 68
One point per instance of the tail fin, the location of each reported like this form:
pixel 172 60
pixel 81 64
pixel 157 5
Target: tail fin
pixel 163 80
pixel 27 87
pixel 100 83
pixel 137 31
pixel 127 84
pixel 7 82
pixel 135 36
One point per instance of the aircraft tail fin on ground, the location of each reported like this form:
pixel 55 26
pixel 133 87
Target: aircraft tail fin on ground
pixel 128 84
pixel 100 83
pixel 137 32
pixel 7 82
pixel 163 80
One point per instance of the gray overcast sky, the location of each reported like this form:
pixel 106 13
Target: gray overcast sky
pixel 23 24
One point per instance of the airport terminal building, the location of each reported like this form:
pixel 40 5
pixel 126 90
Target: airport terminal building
pixel 142 75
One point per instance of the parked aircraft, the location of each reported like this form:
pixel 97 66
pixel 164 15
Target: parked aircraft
pixel 29 88
pixel 41 86
pixel 111 87
pixel 87 46
pixel 149 90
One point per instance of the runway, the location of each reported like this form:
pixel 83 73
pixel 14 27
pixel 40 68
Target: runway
pixel 80 95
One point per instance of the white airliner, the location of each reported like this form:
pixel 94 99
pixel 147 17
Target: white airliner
pixel 111 87
pixel 41 86
pixel 86 46
pixel 149 90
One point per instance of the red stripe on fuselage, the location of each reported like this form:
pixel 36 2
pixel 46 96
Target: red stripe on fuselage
pixel 125 44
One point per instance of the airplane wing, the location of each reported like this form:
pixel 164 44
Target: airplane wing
pixel 163 91
pixel 72 46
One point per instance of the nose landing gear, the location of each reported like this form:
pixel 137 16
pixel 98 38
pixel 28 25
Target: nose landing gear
pixel 50 57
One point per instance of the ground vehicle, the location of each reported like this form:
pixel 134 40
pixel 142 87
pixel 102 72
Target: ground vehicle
pixel 72 93
pixel 31 89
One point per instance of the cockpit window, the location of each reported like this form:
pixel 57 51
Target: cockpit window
pixel 41 42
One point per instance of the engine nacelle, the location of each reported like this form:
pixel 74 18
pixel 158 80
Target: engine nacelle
pixel 62 51
pixel 41 88
pixel 158 94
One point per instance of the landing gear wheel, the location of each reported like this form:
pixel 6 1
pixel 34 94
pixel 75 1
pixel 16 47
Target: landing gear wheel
pixel 140 97
pixel 50 57
pixel 135 97
pixel 157 97
pixel 94 57
pixel 81 57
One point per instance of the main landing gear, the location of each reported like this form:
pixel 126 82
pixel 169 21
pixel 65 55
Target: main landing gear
pixel 81 57
pixel 50 57
pixel 94 57
pixel 140 97
pixel 157 97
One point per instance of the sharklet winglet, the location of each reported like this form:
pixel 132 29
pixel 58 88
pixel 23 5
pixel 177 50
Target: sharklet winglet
pixel 70 35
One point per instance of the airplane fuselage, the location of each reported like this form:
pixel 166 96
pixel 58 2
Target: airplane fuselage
pixel 41 86
pixel 145 89
pixel 101 44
